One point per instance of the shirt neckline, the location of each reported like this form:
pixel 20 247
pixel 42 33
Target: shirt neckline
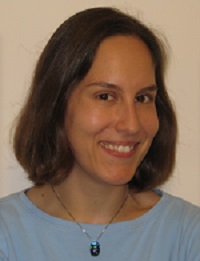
pixel 137 222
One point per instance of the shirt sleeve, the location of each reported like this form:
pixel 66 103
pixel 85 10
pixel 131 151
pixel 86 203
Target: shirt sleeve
pixel 3 245
pixel 190 247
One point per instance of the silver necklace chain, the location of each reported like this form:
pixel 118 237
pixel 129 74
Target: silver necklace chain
pixel 80 226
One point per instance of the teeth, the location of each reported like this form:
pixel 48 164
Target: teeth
pixel 119 148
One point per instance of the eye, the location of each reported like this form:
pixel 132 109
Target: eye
pixel 105 97
pixel 144 98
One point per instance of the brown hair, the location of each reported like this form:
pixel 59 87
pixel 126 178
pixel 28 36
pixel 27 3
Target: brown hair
pixel 40 141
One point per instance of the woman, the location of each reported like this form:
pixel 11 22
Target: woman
pixel 96 136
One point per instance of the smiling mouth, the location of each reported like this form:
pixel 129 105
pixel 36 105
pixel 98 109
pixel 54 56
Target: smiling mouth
pixel 118 148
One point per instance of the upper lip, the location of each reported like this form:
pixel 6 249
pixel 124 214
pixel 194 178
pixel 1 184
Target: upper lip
pixel 122 143
pixel 120 147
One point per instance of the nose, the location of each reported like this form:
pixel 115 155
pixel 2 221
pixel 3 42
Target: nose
pixel 128 120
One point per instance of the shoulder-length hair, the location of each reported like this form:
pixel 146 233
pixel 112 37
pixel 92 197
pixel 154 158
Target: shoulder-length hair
pixel 40 140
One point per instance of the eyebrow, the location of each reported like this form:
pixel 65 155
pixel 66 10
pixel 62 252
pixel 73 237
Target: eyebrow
pixel 151 88
pixel 104 84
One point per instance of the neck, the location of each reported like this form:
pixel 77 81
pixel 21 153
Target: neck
pixel 91 204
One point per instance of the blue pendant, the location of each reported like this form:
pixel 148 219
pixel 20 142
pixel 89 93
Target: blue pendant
pixel 95 248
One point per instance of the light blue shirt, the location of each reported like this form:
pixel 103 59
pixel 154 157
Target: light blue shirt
pixel 170 231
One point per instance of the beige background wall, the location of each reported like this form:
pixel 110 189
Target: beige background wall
pixel 25 27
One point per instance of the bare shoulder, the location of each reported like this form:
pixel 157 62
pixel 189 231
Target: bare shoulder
pixel 138 204
pixel 146 199
pixel 37 194
pixel 42 198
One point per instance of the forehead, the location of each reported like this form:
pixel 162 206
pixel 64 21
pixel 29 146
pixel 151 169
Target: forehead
pixel 122 57
pixel 121 40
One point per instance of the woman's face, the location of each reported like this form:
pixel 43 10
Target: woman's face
pixel 111 117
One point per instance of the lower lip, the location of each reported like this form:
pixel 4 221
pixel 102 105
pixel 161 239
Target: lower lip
pixel 120 154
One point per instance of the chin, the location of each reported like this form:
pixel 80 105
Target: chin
pixel 119 180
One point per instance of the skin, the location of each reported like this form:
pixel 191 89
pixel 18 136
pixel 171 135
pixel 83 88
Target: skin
pixel 110 122
pixel 113 105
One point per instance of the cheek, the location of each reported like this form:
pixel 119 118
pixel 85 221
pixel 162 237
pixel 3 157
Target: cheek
pixel 94 119
pixel 151 125
pixel 87 121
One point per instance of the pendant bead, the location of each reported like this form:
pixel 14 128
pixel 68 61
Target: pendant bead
pixel 95 248
pixel 95 245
